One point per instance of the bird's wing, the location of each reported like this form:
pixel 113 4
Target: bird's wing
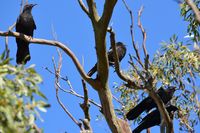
pixel 92 70
pixel 137 110
pixel 18 25
pixel 121 51
pixel 150 115
pixel 110 56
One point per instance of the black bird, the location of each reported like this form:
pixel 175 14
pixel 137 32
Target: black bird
pixel 25 24
pixel 121 51
pixel 153 119
pixel 148 103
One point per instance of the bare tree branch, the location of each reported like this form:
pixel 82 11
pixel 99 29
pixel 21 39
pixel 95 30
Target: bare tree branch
pixel 143 31
pixel 194 8
pixel 84 8
pixel 93 11
pixel 107 13
pixel 57 44
pixel 138 59
pixel 57 72
pixel 10 29
pixel 120 102
pixel 85 107
pixel 7 50
pixel 80 96
pixel 6 41
pixel 71 91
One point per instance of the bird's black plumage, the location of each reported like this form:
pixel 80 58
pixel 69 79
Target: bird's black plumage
pixel 148 103
pixel 153 119
pixel 25 24
pixel 121 51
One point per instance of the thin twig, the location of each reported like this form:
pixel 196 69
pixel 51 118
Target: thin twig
pixel 61 77
pixel 6 41
pixel 143 31
pixel 118 100
pixel 135 47
pixel 187 125
pixel 80 96
pixel 135 68
pixel 71 91
pixel 21 6
pixel 57 72
pixel 10 29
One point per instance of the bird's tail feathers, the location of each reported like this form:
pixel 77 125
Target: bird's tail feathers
pixel 92 71
pixel 136 111
pixel 23 53
pixel 137 130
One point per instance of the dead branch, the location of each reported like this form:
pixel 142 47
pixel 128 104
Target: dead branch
pixel 84 8
pixel 57 72
pixel 85 107
pixel 143 31
pixel 71 91
pixel 146 59
pixel 138 59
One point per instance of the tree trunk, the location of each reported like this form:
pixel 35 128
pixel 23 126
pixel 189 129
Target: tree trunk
pixel 116 125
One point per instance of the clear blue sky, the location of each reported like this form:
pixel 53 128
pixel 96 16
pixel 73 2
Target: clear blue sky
pixel 161 20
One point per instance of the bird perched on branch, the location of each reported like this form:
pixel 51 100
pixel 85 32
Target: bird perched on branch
pixel 148 103
pixel 121 51
pixel 153 119
pixel 25 24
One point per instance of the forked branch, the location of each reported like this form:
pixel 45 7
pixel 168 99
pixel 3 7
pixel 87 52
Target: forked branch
pixel 57 72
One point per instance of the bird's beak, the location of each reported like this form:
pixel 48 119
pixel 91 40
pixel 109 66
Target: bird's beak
pixel 34 5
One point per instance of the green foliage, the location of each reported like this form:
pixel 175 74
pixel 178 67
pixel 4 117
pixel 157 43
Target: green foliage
pixel 18 92
pixel 175 64
pixel 178 65
pixel 189 16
